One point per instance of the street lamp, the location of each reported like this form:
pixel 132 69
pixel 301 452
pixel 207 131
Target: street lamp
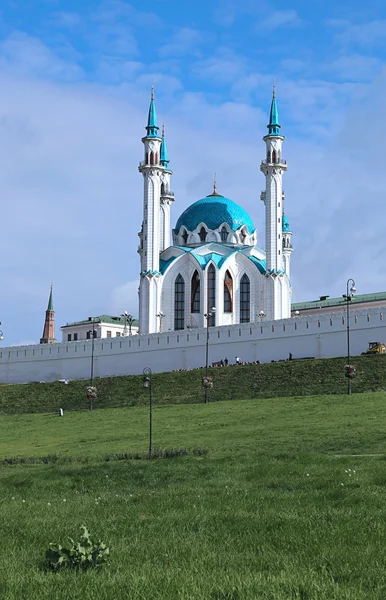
pixel 261 315
pixel 207 316
pixel 348 297
pixel 129 320
pixel 160 316
pixel 1 334
pixel 147 384
pixel 93 334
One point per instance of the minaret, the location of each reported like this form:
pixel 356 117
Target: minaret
pixel 155 232
pixel 167 196
pixel 49 324
pixel 287 246
pixel 273 168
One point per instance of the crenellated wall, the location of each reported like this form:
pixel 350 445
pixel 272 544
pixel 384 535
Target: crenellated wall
pixel 321 335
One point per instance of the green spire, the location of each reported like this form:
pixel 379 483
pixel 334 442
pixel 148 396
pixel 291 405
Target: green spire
pixel 152 129
pixel 164 160
pixel 273 126
pixel 50 301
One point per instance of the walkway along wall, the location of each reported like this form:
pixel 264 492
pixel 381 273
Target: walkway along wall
pixel 322 336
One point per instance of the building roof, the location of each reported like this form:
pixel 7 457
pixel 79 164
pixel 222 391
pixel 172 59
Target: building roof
pixel 101 319
pixel 325 301
pixel 213 211
pixel 286 225
pixel 273 125
pixel 50 306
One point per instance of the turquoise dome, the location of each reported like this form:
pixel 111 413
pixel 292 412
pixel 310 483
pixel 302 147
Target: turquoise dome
pixel 286 226
pixel 214 210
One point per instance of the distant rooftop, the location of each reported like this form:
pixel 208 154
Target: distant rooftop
pixel 101 319
pixel 326 301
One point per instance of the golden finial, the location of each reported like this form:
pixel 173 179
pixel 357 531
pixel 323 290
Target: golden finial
pixel 163 129
pixel 152 91
pixel 214 185
pixel 274 89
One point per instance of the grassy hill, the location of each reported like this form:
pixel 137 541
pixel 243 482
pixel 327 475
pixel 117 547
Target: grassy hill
pixel 292 378
pixel 287 504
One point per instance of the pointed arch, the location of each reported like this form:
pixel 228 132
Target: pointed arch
pixel 245 299
pixel 273 156
pixel 195 293
pixel 211 293
pixel 152 158
pixel 202 234
pixel 156 158
pixel 179 302
pixel 228 293
pixel 224 234
pixel 184 236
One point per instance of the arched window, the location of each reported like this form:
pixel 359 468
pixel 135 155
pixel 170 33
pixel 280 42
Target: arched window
pixel 179 302
pixel 195 294
pixel 228 293
pixel 156 158
pixel 245 299
pixel 162 189
pixel 211 293
pixel 185 236
pixel 224 234
pixel 273 156
pixel 243 236
pixel 203 234
pixel 151 158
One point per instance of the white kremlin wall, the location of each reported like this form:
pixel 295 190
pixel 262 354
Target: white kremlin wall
pixel 322 335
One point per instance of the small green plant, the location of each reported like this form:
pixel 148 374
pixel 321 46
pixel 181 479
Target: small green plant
pixel 84 554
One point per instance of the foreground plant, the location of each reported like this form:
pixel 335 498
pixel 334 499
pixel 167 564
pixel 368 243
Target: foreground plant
pixel 84 554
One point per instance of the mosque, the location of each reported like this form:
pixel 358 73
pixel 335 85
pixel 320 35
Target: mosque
pixel 215 273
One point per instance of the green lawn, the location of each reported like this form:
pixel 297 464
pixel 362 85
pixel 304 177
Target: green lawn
pixel 281 507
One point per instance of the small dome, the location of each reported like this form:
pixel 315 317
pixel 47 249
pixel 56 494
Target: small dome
pixel 214 210
pixel 286 226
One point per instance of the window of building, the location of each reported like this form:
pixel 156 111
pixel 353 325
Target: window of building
pixel 224 234
pixel 69 337
pixel 75 337
pixel 211 293
pixel 243 236
pixel 245 299
pixel 179 303
pixel 117 334
pixel 228 293
pixel 195 294
pixel 202 234
pixel 185 236
pixel 108 334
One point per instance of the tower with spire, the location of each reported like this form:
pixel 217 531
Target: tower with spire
pixel 49 323
pixel 278 246
pixel 155 231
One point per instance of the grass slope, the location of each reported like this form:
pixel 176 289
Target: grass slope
pixel 278 509
pixel 292 378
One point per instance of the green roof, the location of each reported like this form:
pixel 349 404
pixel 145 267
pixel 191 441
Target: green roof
pixel 50 301
pixel 101 319
pixel 357 299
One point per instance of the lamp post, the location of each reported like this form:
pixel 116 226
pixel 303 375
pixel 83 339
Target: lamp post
pixel 93 333
pixel 129 320
pixel 348 297
pixel 160 316
pixel 1 334
pixel 207 316
pixel 147 384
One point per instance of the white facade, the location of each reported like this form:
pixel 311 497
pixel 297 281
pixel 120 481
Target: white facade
pixel 319 335
pixel 215 261
pixel 83 330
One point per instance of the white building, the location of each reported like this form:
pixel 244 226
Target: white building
pixel 215 261
pixel 104 326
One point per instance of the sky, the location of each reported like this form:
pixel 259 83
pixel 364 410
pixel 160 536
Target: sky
pixel 75 82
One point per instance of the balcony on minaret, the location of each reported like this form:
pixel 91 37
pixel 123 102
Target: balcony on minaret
pixel 273 161
pixel 166 195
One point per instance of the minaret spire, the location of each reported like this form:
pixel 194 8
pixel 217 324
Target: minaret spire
pixel 49 323
pixel 151 127
pixel 164 160
pixel 273 125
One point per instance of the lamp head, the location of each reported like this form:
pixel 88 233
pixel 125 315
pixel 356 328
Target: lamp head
pixel 146 382
pixel 353 289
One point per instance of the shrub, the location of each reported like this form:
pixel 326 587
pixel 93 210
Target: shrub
pixel 81 555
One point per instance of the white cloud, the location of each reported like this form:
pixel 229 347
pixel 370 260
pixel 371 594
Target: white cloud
pixel 184 41
pixel 370 33
pixel 280 18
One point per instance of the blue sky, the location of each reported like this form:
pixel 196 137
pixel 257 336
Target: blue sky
pixel 75 81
